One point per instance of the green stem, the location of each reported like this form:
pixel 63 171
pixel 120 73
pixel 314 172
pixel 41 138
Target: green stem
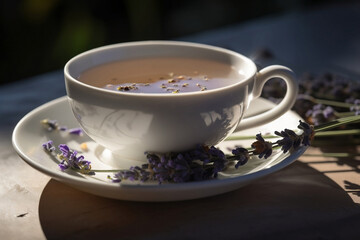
pixel 331 142
pixel 236 138
pixel 107 170
pixel 336 123
pixel 344 114
pixel 318 134
pixel 338 133
pixel 332 155
pixel 326 102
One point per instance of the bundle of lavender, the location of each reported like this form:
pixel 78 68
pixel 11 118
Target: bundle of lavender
pixel 322 99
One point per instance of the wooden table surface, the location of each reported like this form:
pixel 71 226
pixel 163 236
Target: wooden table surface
pixel 314 198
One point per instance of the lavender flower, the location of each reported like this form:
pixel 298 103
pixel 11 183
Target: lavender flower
pixel 184 166
pixel 63 128
pixel 262 147
pixel 69 159
pixel 316 88
pixel 218 158
pixel 308 133
pixel 49 146
pixel 289 140
pixel 321 114
pixel 356 107
pixel 50 125
pixel 133 174
pixel 198 164
pixel 242 155
pixel 75 131
pixel 329 86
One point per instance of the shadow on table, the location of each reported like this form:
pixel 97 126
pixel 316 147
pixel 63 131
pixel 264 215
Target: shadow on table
pixel 297 202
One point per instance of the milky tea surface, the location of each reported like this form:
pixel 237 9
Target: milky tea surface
pixel 161 75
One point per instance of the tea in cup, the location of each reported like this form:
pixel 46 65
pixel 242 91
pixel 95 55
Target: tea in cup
pixel 164 96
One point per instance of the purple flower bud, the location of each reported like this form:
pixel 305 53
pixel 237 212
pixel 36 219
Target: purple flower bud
pixel 50 125
pixel 262 148
pixel 75 131
pixel 356 107
pixel 180 167
pixel 49 146
pixel 64 149
pixel 63 166
pixel 308 133
pixel 328 112
pixel 289 140
pixel 321 114
pixel 63 128
pixel 242 155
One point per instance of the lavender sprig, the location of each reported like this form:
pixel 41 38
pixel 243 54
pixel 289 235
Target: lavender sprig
pixel 69 158
pixel 53 125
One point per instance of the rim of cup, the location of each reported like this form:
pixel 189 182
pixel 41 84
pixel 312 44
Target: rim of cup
pixel 240 83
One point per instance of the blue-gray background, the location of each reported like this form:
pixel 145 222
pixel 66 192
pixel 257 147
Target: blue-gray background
pixel 39 36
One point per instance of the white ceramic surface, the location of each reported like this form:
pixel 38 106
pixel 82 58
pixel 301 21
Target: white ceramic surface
pixel 29 135
pixel 129 124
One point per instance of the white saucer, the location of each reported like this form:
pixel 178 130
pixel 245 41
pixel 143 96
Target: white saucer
pixel 29 135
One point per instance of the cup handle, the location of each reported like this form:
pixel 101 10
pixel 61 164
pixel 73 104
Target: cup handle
pixel 288 101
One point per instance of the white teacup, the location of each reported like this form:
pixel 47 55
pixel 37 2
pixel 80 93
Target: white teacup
pixel 130 124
